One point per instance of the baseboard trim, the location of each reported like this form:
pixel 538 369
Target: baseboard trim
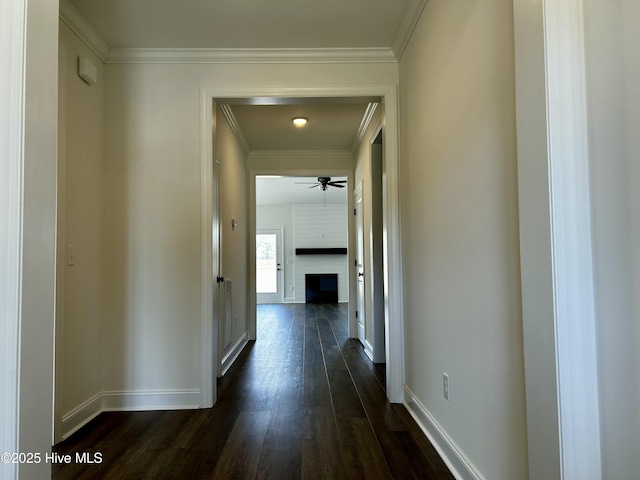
pixel 233 353
pixel 81 415
pixel 461 467
pixel 368 349
pixel 133 400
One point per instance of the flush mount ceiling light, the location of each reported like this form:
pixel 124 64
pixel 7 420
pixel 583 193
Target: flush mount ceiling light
pixel 300 121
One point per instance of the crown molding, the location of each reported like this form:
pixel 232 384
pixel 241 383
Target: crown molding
pixel 299 153
pixel 251 55
pixel 235 127
pixel 412 14
pixel 79 25
pixel 364 125
pixel 83 29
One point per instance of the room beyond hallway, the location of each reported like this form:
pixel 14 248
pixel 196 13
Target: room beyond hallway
pixel 303 401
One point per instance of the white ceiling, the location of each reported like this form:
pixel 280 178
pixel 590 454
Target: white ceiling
pixel 295 190
pixel 249 23
pixel 270 127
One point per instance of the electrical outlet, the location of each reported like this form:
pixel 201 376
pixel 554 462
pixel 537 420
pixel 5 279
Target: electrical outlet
pixel 445 385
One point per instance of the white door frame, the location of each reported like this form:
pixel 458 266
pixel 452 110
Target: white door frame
pixel 279 232
pixel 360 277
pixel 61 245
pixel 392 257
pixel 555 242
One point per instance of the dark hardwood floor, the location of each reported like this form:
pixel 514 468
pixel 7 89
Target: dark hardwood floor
pixel 303 401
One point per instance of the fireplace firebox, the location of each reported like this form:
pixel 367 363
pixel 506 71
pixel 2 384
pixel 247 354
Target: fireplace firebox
pixel 321 287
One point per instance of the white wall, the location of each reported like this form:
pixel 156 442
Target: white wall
pixel 281 216
pixel 460 232
pixel 151 233
pixel 613 89
pixel 80 224
pixel 320 226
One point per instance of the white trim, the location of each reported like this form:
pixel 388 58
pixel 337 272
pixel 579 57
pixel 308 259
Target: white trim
pixel 257 154
pixel 79 25
pixel 571 236
pixel 368 349
pixel 208 294
pixel 128 400
pixel 394 330
pixel 555 242
pixel 362 129
pixel 136 400
pixel 235 128
pixel 12 116
pixel 461 467
pixel 81 415
pixel 233 353
pixel 251 55
pixel 410 18
pixel 354 326
pixel 58 427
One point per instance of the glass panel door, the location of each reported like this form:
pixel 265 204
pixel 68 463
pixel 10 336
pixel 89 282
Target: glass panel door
pixel 269 271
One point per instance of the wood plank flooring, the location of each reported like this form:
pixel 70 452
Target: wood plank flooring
pixel 303 401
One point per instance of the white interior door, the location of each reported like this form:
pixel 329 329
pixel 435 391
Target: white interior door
pixel 218 290
pixel 360 313
pixel 269 267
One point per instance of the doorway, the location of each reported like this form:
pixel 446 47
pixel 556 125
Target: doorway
pixel 377 249
pixel 294 165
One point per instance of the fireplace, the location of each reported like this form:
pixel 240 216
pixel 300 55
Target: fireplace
pixel 321 287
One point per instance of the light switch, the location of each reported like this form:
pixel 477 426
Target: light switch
pixel 71 255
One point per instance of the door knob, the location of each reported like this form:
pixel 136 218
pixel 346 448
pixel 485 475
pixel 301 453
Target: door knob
pixel 219 279
pixel 360 274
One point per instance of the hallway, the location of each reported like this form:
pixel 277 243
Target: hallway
pixel 301 402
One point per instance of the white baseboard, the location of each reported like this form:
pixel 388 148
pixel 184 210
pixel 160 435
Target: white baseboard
pixel 81 415
pixel 368 349
pixel 233 353
pixel 132 400
pixel 461 467
pixel 290 300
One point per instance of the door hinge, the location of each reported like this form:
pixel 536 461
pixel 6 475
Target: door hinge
pixel 355 262
pixel 354 211
pixel 356 313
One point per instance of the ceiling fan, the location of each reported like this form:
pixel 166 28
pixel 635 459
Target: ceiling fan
pixel 325 182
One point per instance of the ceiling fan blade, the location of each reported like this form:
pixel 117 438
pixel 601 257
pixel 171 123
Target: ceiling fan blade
pixel 316 185
pixel 333 184
pixel 339 181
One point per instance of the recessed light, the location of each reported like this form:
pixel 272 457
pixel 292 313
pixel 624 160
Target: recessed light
pixel 299 121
